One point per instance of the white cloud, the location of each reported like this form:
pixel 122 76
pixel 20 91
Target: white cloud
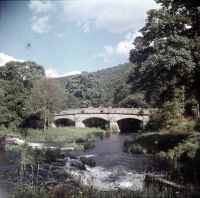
pixel 123 47
pixel 4 58
pixel 71 73
pixel 113 15
pixel 108 49
pixel 51 73
pixel 40 6
pixel 42 10
pixel 41 25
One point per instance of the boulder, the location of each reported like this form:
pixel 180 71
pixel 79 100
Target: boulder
pixel 78 164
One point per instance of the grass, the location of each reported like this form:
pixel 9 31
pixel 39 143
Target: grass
pixel 60 134
pixel 66 135
pixel 174 146
pixel 71 189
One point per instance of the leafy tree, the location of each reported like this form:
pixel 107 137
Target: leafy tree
pixel 24 72
pixel 133 101
pixel 167 52
pixel 16 80
pixel 47 97
pixel 13 96
pixel 86 91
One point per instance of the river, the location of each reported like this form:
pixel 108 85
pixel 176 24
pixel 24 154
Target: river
pixel 117 169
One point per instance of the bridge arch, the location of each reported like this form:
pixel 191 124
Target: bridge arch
pixel 136 117
pixel 96 122
pixel 64 122
pixel 129 125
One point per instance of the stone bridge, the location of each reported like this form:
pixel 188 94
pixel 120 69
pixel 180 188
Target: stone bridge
pixel 111 115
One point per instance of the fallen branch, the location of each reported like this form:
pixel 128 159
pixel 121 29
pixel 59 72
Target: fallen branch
pixel 160 179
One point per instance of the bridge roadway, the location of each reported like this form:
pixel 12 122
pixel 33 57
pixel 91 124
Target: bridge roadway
pixel 111 115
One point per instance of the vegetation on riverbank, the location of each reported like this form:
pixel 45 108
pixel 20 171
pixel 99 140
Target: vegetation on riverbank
pixel 71 189
pixel 60 134
pixel 180 146
pixel 183 147
pixel 59 137
pixel 65 135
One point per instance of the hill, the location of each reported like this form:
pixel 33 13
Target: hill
pixel 107 87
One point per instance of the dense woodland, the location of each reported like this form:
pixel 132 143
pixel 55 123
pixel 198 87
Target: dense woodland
pixel 105 88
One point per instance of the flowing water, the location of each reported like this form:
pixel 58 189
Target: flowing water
pixel 117 169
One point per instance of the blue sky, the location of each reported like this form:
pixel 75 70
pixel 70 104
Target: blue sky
pixel 71 35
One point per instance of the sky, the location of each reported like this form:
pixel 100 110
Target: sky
pixel 67 37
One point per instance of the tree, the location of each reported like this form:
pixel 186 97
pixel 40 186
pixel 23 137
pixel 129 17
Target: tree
pixel 86 91
pixel 16 80
pixel 13 96
pixel 167 52
pixel 47 97
pixel 24 72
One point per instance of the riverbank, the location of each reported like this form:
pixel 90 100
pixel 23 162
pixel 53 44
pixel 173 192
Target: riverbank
pixel 68 137
pixel 181 147
pixel 57 173
pixel 67 176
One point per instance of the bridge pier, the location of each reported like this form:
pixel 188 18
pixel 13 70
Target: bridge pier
pixel 79 124
pixel 113 127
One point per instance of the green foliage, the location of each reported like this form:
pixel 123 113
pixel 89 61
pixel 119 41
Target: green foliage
pixel 169 117
pixel 16 80
pixel 47 97
pixel 29 156
pixel 174 146
pixel 23 72
pixel 20 190
pixel 107 87
pixel 133 101
pixel 166 54
pixel 71 189
pixel 163 118
pixel 85 90
pixel 13 97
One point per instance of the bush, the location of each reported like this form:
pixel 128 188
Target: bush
pixel 173 146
